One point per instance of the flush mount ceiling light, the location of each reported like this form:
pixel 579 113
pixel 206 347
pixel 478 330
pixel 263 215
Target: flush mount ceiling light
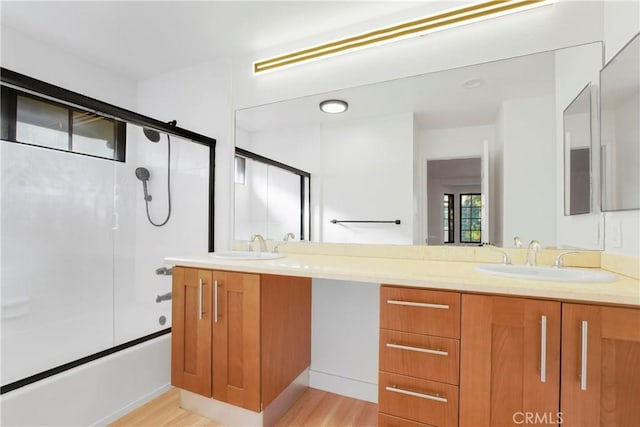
pixel 334 106
pixel 455 17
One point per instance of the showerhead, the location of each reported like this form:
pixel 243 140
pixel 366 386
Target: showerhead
pixel 152 135
pixel 143 174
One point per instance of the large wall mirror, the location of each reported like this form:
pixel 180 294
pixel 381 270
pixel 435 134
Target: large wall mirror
pixel 577 154
pixel 460 157
pixel 619 129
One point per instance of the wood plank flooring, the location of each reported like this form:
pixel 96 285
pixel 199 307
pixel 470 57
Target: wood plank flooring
pixel 315 408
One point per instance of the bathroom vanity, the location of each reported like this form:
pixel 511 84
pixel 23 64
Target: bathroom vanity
pixel 456 346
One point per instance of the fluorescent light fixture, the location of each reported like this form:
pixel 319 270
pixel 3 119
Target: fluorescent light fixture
pixel 454 17
pixel 334 106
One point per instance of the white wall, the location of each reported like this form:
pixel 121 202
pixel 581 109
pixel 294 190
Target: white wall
pixel 621 23
pixel 529 155
pixel 199 98
pixel 37 59
pixel 367 174
pixel 344 338
pixel 360 170
pixel 574 69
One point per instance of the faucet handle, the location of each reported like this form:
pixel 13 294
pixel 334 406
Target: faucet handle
pixel 559 261
pixel 517 242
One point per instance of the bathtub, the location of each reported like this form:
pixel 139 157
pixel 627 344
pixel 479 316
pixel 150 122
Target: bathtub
pixel 31 345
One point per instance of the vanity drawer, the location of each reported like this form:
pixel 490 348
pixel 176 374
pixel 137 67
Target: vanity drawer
pixel 389 421
pixel 420 311
pixel 426 402
pixel 422 356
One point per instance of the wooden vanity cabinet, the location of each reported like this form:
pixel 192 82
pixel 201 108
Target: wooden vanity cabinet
pixel 510 360
pixel 600 366
pixel 236 339
pixel 191 330
pixel 419 357
pixel 240 338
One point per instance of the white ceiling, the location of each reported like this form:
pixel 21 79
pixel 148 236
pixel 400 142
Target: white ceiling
pixel 438 99
pixel 145 38
pixel 141 39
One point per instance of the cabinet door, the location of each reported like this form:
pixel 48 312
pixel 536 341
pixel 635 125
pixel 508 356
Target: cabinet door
pixel 236 339
pixel 191 330
pixel 509 361
pixel 600 366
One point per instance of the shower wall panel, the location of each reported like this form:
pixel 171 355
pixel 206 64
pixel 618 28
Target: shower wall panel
pixel 140 246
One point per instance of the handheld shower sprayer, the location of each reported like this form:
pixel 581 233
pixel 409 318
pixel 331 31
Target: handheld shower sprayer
pixel 143 175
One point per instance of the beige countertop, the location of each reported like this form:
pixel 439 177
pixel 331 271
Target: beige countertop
pixel 427 273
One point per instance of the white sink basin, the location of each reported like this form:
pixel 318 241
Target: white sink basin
pixel 553 274
pixel 246 255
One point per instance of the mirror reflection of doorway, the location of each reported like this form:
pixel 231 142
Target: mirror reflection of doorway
pixel 454 188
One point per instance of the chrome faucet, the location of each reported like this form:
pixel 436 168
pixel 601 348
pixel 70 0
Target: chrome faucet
pixel 559 261
pixel 164 271
pixel 506 259
pixel 534 248
pixel 261 242
pixel 288 236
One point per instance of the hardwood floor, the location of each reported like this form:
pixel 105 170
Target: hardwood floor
pixel 314 408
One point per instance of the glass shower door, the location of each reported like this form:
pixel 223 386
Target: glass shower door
pixel 56 280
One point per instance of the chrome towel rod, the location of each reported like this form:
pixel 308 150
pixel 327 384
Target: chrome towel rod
pixel 395 221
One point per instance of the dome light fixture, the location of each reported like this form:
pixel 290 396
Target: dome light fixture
pixel 334 106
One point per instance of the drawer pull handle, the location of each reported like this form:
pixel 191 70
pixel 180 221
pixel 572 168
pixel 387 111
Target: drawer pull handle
pixel 416 394
pixel 583 355
pixel 543 349
pixel 200 309
pixel 419 349
pixel 216 301
pixel 418 304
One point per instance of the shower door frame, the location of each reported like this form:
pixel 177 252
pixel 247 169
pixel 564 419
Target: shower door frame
pixel 22 83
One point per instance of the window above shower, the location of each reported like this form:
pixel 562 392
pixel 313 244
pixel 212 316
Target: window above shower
pixel 29 119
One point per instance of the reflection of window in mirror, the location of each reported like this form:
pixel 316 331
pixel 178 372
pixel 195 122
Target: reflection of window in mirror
pixel 470 218
pixel 447 218
pixel 577 154
pixel 620 129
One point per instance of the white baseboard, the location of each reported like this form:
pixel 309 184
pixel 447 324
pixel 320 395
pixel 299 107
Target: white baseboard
pixel 349 387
